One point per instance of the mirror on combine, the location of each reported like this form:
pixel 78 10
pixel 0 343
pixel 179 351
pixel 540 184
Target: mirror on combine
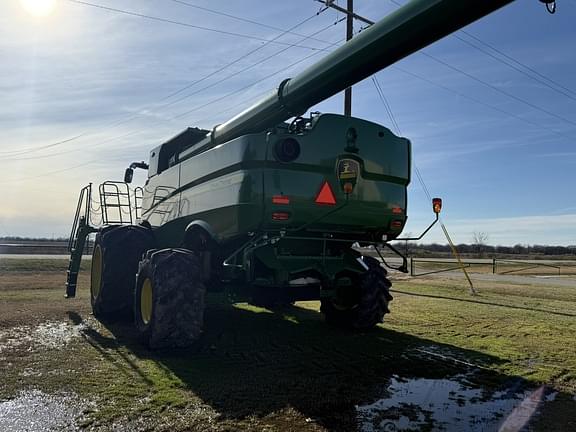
pixel 128 175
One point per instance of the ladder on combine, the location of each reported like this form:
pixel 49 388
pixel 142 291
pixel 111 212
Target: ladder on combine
pixel 118 204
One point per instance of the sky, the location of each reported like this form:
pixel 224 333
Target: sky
pixel 86 90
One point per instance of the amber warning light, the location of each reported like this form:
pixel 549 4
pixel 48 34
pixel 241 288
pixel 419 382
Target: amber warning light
pixel 437 205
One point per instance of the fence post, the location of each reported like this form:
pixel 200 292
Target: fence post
pixel 493 265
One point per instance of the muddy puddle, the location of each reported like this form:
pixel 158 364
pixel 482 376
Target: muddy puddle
pixel 51 335
pixel 40 412
pixel 450 405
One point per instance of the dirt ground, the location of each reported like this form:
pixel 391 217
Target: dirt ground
pixel 503 360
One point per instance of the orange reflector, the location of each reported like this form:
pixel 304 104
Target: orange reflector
pixel 437 205
pixel 280 199
pixel 325 196
pixel 280 216
pixel 348 188
pixel 397 210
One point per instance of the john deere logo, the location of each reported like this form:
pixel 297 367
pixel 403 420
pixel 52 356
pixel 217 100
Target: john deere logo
pixel 348 170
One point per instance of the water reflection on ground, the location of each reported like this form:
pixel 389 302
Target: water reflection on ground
pixel 38 411
pixel 450 405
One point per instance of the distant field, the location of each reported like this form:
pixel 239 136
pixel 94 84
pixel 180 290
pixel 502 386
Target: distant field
pixel 284 370
pixel 33 247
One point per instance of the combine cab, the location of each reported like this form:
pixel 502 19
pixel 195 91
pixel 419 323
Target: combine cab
pixel 263 205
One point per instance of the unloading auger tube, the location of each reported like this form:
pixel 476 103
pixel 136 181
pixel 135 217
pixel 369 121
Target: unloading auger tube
pixel 409 29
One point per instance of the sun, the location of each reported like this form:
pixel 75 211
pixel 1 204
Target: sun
pixel 38 8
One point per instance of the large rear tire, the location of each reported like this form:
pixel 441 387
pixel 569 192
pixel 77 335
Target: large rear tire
pixel 117 251
pixel 169 299
pixel 366 309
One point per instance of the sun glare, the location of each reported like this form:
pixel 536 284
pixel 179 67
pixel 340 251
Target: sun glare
pixel 38 8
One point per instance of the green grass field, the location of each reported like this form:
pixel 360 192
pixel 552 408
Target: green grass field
pixel 257 369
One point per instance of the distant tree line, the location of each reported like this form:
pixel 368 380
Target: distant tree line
pixel 463 248
pixel 477 247
pixel 36 239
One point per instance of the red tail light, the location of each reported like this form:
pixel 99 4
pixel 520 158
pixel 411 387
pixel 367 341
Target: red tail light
pixel 280 216
pixel 280 199
pixel 396 224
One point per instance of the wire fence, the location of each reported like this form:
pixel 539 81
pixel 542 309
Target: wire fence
pixel 497 266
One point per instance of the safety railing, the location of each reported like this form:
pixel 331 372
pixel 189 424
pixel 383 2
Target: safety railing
pixel 82 211
pixel 116 203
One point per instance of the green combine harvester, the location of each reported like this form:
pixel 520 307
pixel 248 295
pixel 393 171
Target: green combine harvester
pixel 266 207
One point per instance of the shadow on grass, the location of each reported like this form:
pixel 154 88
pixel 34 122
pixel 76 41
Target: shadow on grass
pixel 257 362
pixel 434 296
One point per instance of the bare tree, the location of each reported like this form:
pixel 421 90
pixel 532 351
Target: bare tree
pixel 406 245
pixel 479 240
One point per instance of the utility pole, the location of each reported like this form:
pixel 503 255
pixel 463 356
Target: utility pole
pixel 349 35
pixel 350 16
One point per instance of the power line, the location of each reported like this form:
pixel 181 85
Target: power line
pixel 510 95
pixel 517 66
pixel 350 17
pixel 423 184
pixel 239 72
pixel 182 89
pixel 249 85
pixel 478 101
pixel 246 20
pixel 240 90
pixel 386 104
pixel 241 104
pixel 99 144
pixel 183 24
pixel 395 124
pixel 254 83
pixel 523 65
pixel 25 151
pixel 284 68
pixel 499 90
pixel 213 73
pixel 194 83
pixel 260 80
pixel 49 173
pixel 330 3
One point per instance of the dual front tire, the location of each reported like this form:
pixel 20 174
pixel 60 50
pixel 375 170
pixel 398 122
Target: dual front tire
pixel 117 252
pixel 169 299
pixel 160 289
